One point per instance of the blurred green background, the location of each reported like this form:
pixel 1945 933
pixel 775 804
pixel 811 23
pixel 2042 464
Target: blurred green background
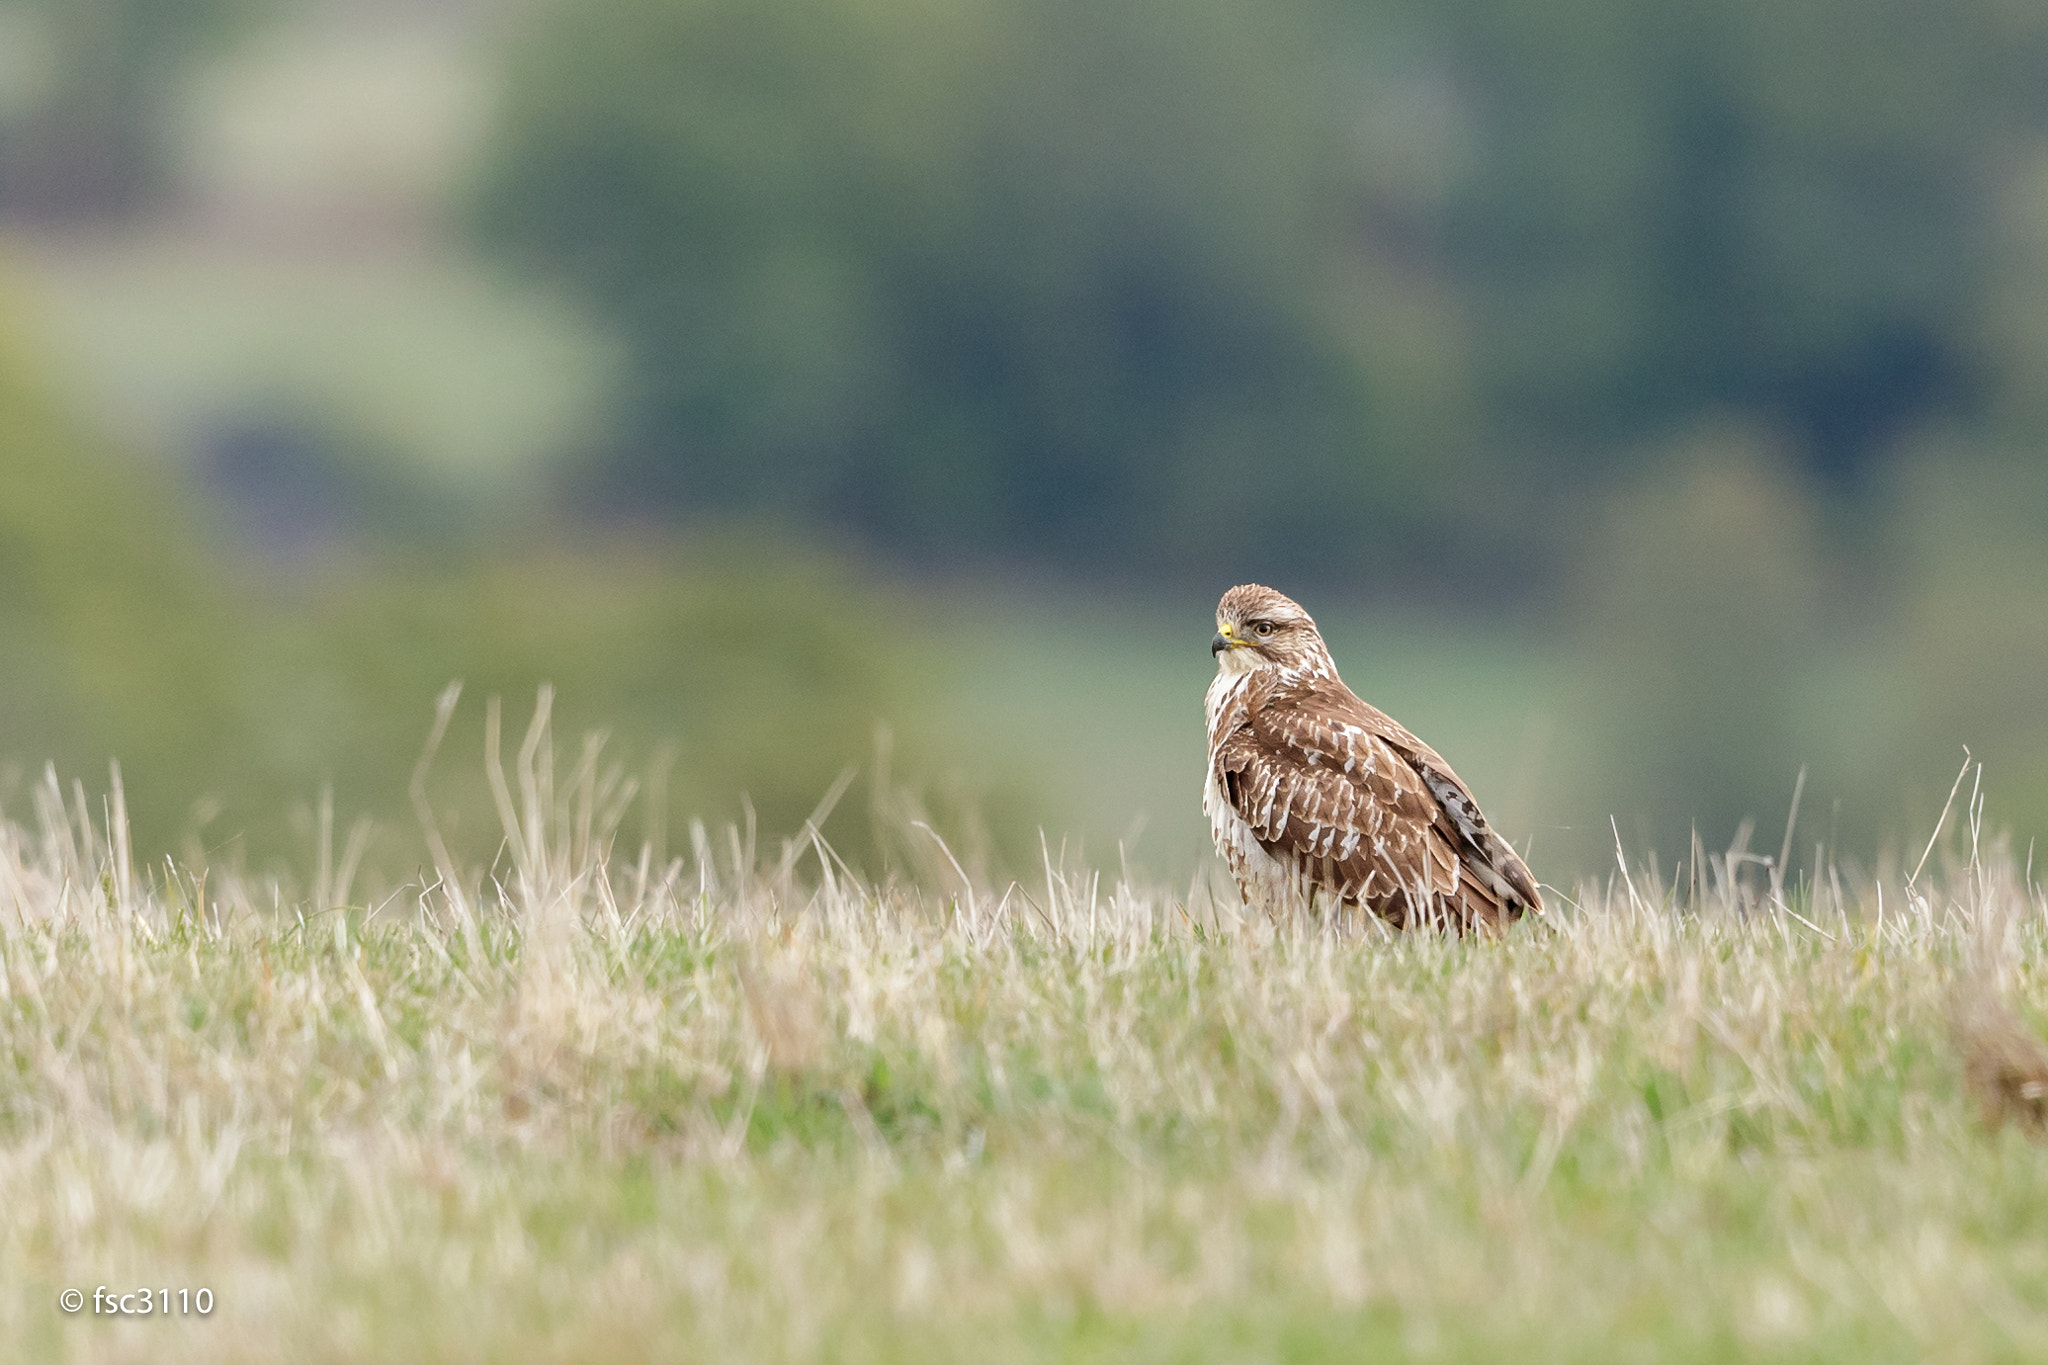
pixel 1650 400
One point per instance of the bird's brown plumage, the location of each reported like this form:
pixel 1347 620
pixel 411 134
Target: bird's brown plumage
pixel 1317 798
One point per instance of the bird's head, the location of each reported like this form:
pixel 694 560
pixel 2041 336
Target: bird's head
pixel 1259 628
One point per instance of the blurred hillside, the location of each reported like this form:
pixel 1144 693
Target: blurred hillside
pixel 1650 400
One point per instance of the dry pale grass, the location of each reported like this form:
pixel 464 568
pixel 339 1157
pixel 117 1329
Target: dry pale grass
pixel 587 1107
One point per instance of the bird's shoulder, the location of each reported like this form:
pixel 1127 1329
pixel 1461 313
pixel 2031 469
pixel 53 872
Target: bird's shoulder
pixel 1422 786
pixel 1322 715
pixel 1316 730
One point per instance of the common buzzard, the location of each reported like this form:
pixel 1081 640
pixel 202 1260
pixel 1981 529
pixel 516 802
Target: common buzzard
pixel 1321 802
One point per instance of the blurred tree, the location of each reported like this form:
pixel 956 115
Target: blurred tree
pixel 763 670
pixel 1048 277
pixel 112 634
pixel 725 671
pixel 1780 208
pixel 1701 593
pixel 1054 278
pixel 1969 637
pixel 89 85
pixel 2014 336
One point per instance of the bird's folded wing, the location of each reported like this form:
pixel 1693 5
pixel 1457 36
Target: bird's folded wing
pixel 1316 787
pixel 1321 775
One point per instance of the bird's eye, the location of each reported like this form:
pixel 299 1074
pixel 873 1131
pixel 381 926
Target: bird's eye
pixel 1264 628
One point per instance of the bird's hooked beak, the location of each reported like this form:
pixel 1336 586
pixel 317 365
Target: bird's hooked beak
pixel 1226 638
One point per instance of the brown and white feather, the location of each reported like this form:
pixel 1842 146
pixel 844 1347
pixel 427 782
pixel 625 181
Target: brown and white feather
pixel 1316 798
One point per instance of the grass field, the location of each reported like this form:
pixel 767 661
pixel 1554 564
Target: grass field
pixel 578 1106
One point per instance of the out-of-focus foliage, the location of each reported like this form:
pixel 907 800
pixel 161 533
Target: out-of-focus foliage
pixel 1783 208
pixel 1701 595
pixel 1049 275
pixel 83 89
pixel 1969 637
pixel 1738 628
pixel 1705 339
pixel 1644 311
pixel 716 672
pixel 757 670
pixel 111 643
pixel 1079 277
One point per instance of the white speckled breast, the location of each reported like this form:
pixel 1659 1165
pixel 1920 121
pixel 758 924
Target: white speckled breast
pixel 1261 878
